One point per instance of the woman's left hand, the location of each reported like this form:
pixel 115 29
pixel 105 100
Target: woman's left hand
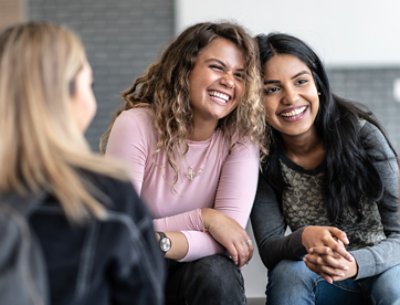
pixel 229 234
pixel 330 265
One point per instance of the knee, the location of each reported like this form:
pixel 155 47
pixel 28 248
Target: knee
pixel 218 271
pixel 385 288
pixel 292 274
pixel 388 294
pixel 217 277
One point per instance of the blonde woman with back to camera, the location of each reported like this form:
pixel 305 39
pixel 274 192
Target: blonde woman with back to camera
pixel 96 236
pixel 190 130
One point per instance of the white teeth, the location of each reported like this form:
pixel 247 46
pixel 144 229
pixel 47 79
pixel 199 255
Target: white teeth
pixel 294 112
pixel 220 95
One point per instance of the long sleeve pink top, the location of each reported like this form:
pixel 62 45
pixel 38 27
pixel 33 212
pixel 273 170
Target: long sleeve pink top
pixel 209 177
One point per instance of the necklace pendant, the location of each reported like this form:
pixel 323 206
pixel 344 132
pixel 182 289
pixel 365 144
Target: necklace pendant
pixel 190 174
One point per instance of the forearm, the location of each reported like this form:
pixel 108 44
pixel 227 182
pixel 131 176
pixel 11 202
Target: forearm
pixel 285 247
pixel 377 259
pixel 269 228
pixel 188 221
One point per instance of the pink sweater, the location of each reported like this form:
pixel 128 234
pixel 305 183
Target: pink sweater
pixel 226 182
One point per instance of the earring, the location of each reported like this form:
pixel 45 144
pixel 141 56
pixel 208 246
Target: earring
pixel 319 93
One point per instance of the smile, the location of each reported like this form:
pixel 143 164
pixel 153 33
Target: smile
pixel 220 96
pixel 294 113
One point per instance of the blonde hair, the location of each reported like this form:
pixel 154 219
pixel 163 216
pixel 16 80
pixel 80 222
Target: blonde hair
pixel 41 146
pixel 165 88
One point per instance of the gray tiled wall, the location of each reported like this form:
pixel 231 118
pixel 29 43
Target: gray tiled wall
pixel 122 37
pixel 374 88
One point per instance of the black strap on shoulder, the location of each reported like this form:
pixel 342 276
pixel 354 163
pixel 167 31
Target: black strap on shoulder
pixel 22 204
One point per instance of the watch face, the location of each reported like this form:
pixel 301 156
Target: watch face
pixel 165 244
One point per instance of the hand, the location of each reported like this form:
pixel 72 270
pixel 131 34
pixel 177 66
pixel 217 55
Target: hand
pixel 330 237
pixel 330 265
pixel 229 234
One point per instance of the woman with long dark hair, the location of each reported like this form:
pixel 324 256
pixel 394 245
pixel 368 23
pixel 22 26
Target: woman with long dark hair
pixel 332 177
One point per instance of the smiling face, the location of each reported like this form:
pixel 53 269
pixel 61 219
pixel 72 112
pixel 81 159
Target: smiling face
pixel 216 82
pixel 290 96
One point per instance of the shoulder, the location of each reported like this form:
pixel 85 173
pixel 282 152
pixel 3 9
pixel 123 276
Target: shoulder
pixel 244 145
pixel 137 115
pixel 374 140
pixel 132 124
pixel 116 194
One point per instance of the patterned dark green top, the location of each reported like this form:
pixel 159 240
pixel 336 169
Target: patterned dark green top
pixel 374 242
pixel 302 204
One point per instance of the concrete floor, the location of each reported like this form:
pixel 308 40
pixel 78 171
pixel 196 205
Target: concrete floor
pixel 256 301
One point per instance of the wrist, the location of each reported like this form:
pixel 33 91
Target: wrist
pixel 206 214
pixel 164 242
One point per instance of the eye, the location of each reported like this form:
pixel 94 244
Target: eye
pixel 301 81
pixel 271 90
pixel 239 75
pixel 216 67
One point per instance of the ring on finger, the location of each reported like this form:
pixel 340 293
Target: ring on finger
pixel 249 242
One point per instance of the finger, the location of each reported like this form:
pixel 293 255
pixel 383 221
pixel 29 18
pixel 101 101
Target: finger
pixel 327 278
pixel 315 268
pixel 323 269
pixel 338 247
pixel 333 260
pixel 245 250
pixel 329 270
pixel 334 264
pixel 233 254
pixel 320 250
pixel 339 234
pixel 341 249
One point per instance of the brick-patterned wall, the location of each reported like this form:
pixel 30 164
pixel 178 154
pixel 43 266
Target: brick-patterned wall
pixel 122 37
pixel 374 88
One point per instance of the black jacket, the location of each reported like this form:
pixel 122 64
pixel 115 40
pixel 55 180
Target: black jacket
pixel 116 261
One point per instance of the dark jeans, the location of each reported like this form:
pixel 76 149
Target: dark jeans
pixel 212 280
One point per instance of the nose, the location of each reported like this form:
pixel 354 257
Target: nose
pixel 228 80
pixel 290 96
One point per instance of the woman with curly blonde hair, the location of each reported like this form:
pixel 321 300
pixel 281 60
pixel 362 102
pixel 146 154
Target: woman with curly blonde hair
pixel 46 104
pixel 191 129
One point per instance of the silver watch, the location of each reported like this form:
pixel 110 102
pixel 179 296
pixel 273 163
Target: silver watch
pixel 164 242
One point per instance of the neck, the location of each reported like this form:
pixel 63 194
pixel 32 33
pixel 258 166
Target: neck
pixel 202 131
pixel 306 150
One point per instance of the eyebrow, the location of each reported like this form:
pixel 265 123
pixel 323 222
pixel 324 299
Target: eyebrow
pixel 266 82
pixel 221 63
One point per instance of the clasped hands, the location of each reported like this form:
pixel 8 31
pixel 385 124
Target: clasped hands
pixel 229 234
pixel 327 254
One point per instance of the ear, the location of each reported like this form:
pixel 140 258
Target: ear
pixel 72 87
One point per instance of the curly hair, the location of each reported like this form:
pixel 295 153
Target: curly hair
pixel 165 88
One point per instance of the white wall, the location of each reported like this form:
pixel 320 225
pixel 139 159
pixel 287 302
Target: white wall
pixel 343 32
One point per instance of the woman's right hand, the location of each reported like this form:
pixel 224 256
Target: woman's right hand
pixel 325 236
pixel 229 234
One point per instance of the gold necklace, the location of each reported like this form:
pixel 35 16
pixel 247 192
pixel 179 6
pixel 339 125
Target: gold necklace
pixel 191 172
